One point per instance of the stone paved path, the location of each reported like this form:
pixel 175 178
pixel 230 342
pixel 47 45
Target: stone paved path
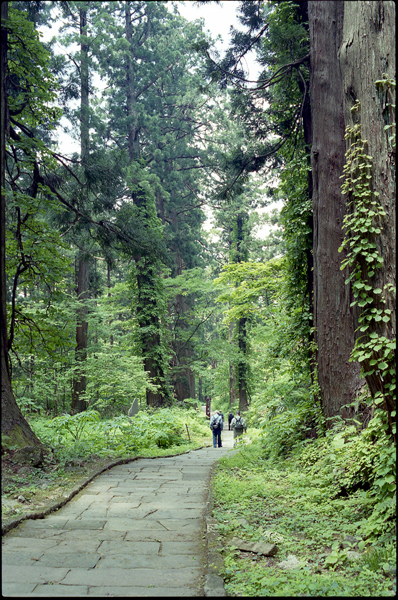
pixel 136 530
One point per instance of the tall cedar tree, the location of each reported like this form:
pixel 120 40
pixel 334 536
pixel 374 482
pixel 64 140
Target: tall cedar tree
pixel 367 59
pixel 333 321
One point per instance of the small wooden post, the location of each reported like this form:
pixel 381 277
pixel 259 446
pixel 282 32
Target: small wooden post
pixel 187 432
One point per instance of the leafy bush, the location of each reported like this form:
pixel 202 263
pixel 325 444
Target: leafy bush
pixel 74 424
pixel 377 558
pixel 84 434
pixel 350 459
pixel 286 424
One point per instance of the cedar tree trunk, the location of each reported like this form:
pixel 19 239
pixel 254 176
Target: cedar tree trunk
pixel 367 54
pixel 333 317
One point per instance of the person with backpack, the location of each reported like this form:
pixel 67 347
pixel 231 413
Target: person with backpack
pixel 238 424
pixel 216 425
pixel 230 417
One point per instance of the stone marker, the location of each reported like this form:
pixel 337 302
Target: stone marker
pixel 352 555
pixel 256 547
pixel 133 410
pixel 292 562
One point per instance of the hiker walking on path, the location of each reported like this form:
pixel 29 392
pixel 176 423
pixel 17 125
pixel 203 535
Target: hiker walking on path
pixel 216 425
pixel 230 417
pixel 238 424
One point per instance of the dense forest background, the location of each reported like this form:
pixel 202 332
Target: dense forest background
pixel 112 286
pixel 115 290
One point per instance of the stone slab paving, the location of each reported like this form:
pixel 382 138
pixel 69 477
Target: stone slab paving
pixel 138 529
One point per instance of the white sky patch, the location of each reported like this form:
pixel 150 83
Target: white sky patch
pixel 219 18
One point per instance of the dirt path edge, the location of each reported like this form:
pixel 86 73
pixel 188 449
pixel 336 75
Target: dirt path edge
pixel 214 583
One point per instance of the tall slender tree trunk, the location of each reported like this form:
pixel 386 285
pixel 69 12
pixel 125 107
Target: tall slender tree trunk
pixel 108 283
pixel 5 376
pixel 242 366
pixel 184 378
pixel 307 131
pixel 242 369
pixel 233 394
pixel 80 380
pixel 146 268
pixel 13 424
pixel 333 317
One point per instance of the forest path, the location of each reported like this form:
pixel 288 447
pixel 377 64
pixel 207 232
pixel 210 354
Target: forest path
pixel 136 530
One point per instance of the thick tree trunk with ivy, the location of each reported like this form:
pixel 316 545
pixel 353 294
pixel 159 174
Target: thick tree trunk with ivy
pixel 333 317
pixel 184 379
pixel 14 426
pixel 367 62
pixel 147 313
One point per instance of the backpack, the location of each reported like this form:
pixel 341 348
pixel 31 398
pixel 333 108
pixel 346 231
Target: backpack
pixel 240 423
pixel 216 422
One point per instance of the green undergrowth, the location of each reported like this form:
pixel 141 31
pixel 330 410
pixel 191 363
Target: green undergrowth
pixel 83 444
pixel 307 503
pixel 148 433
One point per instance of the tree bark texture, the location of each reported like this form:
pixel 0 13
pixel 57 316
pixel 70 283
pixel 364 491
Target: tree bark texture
pixel 233 393
pixel 242 368
pixel 79 381
pixel 184 379
pixel 333 318
pixel 148 319
pixel 366 54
